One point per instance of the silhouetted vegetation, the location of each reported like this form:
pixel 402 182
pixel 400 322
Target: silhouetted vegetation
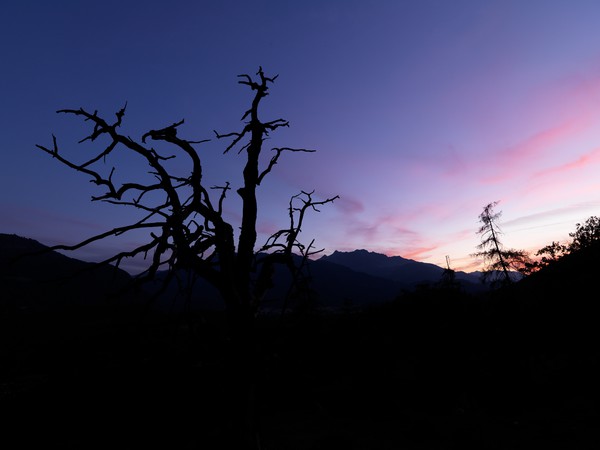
pixel 188 232
pixel 437 368
pixel 584 236
pixel 499 262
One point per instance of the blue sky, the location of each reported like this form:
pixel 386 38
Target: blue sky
pixel 421 112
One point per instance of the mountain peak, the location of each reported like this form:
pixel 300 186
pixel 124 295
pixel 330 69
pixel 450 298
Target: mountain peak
pixel 364 257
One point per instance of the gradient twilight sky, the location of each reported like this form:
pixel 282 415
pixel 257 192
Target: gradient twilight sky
pixel 421 112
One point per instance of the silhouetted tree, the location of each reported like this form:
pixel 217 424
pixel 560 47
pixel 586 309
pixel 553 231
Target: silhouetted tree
pixel 188 231
pixel 498 261
pixel 547 255
pixel 448 278
pixel 585 234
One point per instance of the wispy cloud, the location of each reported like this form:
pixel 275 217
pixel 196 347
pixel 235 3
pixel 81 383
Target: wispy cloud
pixel 548 217
pixel 26 220
pixel 520 158
pixel 349 205
pixel 583 161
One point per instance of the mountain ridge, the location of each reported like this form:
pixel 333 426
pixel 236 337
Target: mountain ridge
pixel 32 277
pixel 358 278
pixel 382 265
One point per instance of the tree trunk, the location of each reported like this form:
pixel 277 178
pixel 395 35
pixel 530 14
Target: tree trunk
pixel 241 369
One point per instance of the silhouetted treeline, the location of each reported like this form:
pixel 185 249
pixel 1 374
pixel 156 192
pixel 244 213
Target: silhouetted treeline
pixel 436 368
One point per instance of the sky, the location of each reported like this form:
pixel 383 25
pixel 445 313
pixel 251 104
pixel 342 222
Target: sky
pixel 421 112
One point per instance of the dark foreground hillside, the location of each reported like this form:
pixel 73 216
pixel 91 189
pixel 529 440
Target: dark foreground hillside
pixel 436 369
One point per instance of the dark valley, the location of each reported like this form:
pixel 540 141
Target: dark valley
pixel 381 355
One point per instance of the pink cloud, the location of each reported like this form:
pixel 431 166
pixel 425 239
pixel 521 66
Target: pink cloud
pixel 546 218
pixel 421 252
pixel 267 228
pixel 382 234
pixel 360 231
pixel 349 205
pixel 27 220
pixel 593 157
pixel 418 253
pixel 512 161
pixel 501 165
pixel 466 264
pixel 572 179
pixel 571 106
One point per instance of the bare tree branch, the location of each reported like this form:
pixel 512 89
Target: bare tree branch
pixel 191 235
pixel 275 158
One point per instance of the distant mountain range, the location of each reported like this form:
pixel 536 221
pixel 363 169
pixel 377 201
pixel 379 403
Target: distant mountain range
pixel 50 280
pixel 359 278
pixel 342 279
pixel 408 272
